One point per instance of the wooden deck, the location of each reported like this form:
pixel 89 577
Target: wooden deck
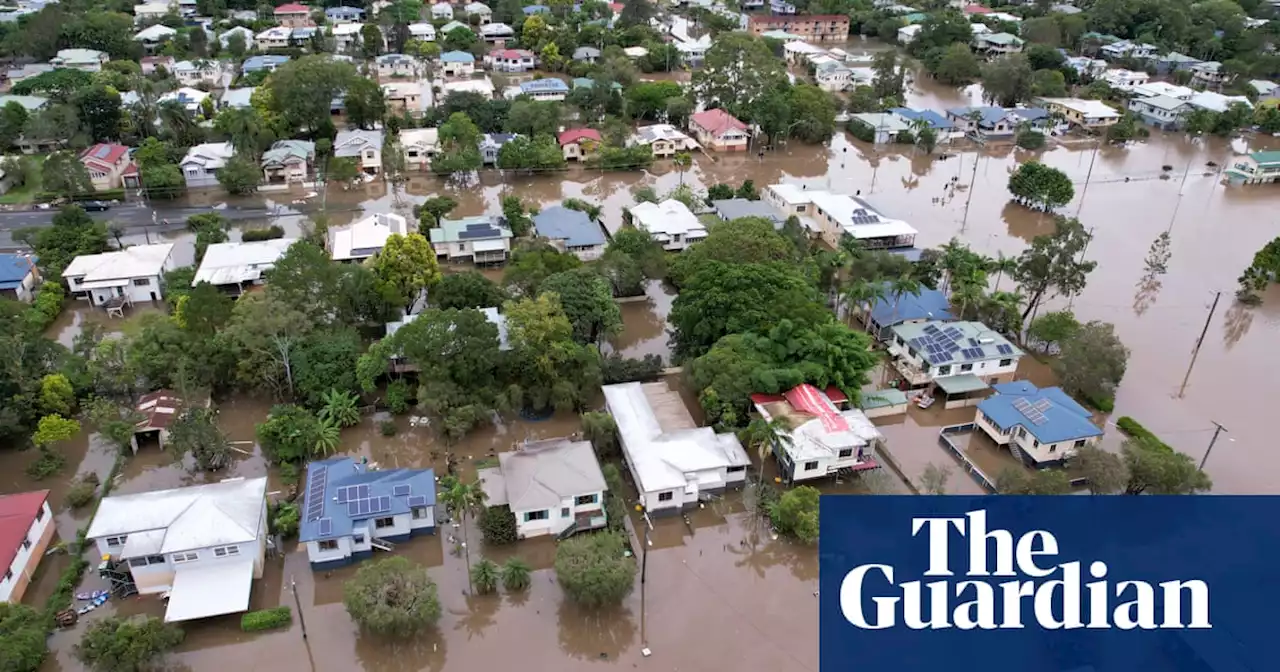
pixel 668 407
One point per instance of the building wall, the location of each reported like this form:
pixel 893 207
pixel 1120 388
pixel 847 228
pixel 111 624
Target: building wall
pixel 339 555
pixel 460 249
pixel 199 178
pixel 25 291
pixel 136 292
pixel 25 562
pixel 1045 453
pixel 458 69
pixel 158 578
pixel 558 518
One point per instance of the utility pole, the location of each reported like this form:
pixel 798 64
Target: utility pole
pixel 973 182
pixel 293 585
pixel 1219 429
pixel 1199 341
pixel 1083 250
pixel 644 566
pixel 1087 176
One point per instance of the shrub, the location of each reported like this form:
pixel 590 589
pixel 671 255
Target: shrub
pixel 82 492
pixel 485 576
pixel 594 570
pixel 618 369
pixel 286 519
pixel 515 574
pixel 862 131
pixel 270 233
pixel 1135 430
pixel 46 465
pixel 23 638
pixel 796 513
pixel 392 597
pixel 615 508
pixel 1104 404
pixel 1030 140
pixel 388 427
pixel 266 619
pixel 498 525
pixel 115 643
pixel 289 472
pixel 398 396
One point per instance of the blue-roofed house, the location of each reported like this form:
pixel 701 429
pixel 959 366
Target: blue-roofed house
pixel 1037 117
pixel 267 62
pixel 18 277
pixel 936 121
pixel 548 88
pixel 571 231
pixel 457 64
pixel 1041 426
pixel 536 9
pixel 929 304
pixel 482 239
pixel 344 14
pixel 349 510
pixel 985 121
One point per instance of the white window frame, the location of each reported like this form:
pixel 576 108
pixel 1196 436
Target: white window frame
pixel 188 556
pixel 224 551
pixel 116 541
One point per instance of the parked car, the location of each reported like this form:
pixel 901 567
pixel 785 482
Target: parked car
pixel 95 206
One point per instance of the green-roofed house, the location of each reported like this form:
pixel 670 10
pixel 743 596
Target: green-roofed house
pixel 482 240
pixel 998 44
pixel 954 362
pixel 1255 168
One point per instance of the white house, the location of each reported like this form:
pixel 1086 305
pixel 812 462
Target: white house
pixel 201 164
pixel 398 65
pixel 497 33
pixel 670 222
pixel 363 146
pixel 276 37
pixel 970 354
pixel 1041 426
pixel 203 71
pixel 349 510
pixel 478 9
pixel 481 239
pixel 674 463
pixel 554 487
pixel 130 275
pixel 346 37
pixel 203 544
pixel 422 31
pixel 365 238
pixel 191 100
pixel 664 140
pixel 152 36
pixel 233 266
pixel 151 11
pixel 418 146
pixel 835 215
pixel 1119 77
pixel 907 34
pixel 88 60
pixel 441 10
pixel 820 440
pixel 25 531
pixel 244 33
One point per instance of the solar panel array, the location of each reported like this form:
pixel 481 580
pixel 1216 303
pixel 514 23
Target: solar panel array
pixel 401 489
pixel 1004 349
pixel 1033 412
pixel 351 493
pixel 368 506
pixel 326 526
pixel 417 500
pixel 315 493
pixel 862 216
pixel 478 231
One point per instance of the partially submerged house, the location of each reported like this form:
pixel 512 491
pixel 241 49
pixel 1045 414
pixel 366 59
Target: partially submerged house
pixel 18 277
pixel 554 487
pixel 675 463
pixel 365 238
pixel 571 231
pixel 348 510
pixel 670 222
pixel 201 164
pixel 232 267
pixel 907 308
pixel 720 131
pixel 482 239
pixel 956 361
pixel 730 209
pixel 203 545
pixel 157 411
pixel 1042 427
pixel 289 161
pixel 363 146
pixel 664 140
pixel 26 528
pixel 821 440
pixel 125 276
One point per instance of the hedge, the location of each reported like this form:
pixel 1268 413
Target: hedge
pixel 270 233
pixel 266 619
pixel 1135 430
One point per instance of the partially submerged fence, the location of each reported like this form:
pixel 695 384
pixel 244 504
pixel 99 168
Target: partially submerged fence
pixel 969 465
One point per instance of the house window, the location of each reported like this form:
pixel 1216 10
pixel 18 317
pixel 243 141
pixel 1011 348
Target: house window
pixel 141 282
pixel 382 523
pixel 1079 443
pixel 1022 432
pixel 117 541
pixel 535 515
pixel 1053 448
pixel 665 496
pixel 1035 443
pixel 155 559
pixel 358 538
pixel 8 574
pixel 328 544
pixel 586 499
pixel 185 557
pixel 846 452
pixel 1006 362
pixel 462 247
pixel 944 370
pixel 800 208
pixel 966 367
pixel 40 513
pixel 564 512
pixel 810 466
pixel 418 512
pixel 224 551
pixel 137 562
pixel 737 469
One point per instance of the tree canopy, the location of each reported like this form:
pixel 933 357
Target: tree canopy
pixel 392 597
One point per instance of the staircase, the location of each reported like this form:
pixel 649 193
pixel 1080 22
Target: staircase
pixel 382 545
pixel 568 531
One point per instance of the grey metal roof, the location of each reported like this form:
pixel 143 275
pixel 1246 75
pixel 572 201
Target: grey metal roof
pixel 540 475
pixel 571 226
pixel 737 208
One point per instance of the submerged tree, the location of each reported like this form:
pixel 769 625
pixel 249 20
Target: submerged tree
pixel 117 644
pixel 1054 264
pixel 196 431
pixel 1093 362
pixel 593 569
pixel 392 597
pixel 1021 481
pixel 1042 187
pixel 1157 469
pixel 1264 270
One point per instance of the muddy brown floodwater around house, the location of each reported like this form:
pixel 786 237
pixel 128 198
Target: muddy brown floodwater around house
pixel 716 586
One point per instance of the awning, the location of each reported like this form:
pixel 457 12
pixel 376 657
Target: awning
pixel 103 284
pixel 142 544
pixel 965 382
pixel 212 589
pixel 495 245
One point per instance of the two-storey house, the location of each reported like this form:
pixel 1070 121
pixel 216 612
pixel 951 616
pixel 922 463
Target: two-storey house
pixel 201 164
pixel 720 131
pixel 363 146
pixel 293 15
pixel 482 239
pixel 289 161
pixel 203 545
pixel 671 223
pixel 418 146
pixel 365 238
pixel 131 275
pixel 956 360
pixel 510 60
pixel 26 528
pixel 819 440
pixel 457 64
pixel 1042 427
pixel 554 487
pixel 664 140
pixel 110 167
pixel 19 276
pixel 571 231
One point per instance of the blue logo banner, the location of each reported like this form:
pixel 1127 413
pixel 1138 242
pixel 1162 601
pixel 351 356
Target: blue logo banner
pixel 1049 584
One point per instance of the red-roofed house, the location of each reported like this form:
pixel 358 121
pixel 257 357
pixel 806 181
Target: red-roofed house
pixel 26 526
pixel 158 410
pixel 821 439
pixel 719 130
pixel 579 143
pixel 294 15
pixel 110 166
pixel 976 9
pixel 510 60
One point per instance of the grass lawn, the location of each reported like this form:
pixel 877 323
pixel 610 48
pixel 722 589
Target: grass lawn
pixel 26 193
pixel 709 219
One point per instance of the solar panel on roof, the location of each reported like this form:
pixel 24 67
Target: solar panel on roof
pixel 1004 349
pixel 364 492
pixel 953 332
pixel 326 526
pixel 417 500
pixel 401 489
pixel 932 329
pixel 353 508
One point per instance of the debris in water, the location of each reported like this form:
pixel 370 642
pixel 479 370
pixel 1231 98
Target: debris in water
pixel 645 652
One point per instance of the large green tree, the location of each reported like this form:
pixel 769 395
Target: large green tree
pixel 1040 186
pixel 392 597
pixel 739 69
pixel 593 569
pixel 1093 362
pixel 407 266
pixel 587 299
pixel 303 89
pixel 1054 264
pixel 553 370
pixel 469 289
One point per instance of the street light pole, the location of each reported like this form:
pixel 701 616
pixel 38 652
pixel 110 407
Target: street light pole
pixel 1219 429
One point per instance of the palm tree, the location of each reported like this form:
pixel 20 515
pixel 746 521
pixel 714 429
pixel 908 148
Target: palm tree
pixel 968 295
pixel 903 284
pixel 916 126
pixel 515 574
pixel 953 255
pixel 766 436
pixel 328 436
pixel 461 498
pixel 863 292
pixel 485 576
pixel 1001 265
pixel 340 408
pixel 682 161
pixel 243 128
pixel 177 122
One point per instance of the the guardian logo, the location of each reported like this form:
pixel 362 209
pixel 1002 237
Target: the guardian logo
pixel 1037 590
